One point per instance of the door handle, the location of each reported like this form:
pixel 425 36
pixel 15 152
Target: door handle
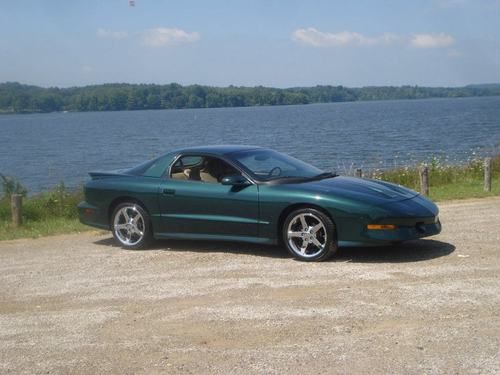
pixel 168 191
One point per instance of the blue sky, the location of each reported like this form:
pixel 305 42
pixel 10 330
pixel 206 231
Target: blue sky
pixel 261 42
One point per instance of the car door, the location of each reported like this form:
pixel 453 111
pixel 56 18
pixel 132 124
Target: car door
pixel 206 209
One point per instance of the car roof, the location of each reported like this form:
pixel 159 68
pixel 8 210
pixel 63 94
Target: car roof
pixel 217 149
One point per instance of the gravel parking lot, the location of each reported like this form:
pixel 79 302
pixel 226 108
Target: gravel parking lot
pixel 79 304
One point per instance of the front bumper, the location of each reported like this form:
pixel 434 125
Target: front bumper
pixel 420 228
pixel 414 218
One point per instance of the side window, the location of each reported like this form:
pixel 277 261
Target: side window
pixel 207 169
pixel 184 168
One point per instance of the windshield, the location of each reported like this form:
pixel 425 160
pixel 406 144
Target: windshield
pixel 267 165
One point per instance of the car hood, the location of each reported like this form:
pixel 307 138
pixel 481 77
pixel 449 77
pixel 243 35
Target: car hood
pixel 365 190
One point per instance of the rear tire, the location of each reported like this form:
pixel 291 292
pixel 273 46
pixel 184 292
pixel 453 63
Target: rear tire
pixel 131 226
pixel 309 235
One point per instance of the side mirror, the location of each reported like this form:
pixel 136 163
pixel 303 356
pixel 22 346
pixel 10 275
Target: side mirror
pixel 234 180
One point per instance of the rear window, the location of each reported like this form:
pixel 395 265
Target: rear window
pixel 158 167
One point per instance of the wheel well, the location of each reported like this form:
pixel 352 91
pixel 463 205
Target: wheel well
pixel 297 206
pixel 120 200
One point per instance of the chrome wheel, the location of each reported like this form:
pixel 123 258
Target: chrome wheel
pixel 129 225
pixel 306 235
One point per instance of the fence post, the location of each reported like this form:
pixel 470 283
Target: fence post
pixel 424 180
pixel 359 172
pixel 16 202
pixel 487 174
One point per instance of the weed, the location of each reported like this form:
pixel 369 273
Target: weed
pixel 11 186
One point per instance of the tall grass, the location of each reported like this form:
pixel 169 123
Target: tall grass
pixel 57 203
pixel 43 214
pixel 446 181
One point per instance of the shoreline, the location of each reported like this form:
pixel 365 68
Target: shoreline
pixel 21 98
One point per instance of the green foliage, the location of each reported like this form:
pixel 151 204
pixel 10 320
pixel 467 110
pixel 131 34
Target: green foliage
pixel 5 214
pixel 463 190
pixel 45 214
pixel 33 229
pixel 57 203
pixel 11 186
pixel 18 98
pixel 446 181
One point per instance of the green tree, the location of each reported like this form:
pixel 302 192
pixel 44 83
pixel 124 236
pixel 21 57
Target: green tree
pixel 15 97
pixel 153 101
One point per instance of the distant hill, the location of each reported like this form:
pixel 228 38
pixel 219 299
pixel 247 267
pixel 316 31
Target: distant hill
pixel 484 86
pixel 20 98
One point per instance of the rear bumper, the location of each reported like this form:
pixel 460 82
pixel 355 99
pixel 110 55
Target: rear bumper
pixel 92 216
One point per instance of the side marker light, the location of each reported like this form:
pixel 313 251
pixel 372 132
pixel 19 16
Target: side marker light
pixel 381 226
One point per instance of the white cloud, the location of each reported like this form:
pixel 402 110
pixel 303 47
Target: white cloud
pixel 316 38
pixel 432 40
pixel 162 36
pixel 103 33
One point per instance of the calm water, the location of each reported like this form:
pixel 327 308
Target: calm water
pixel 43 149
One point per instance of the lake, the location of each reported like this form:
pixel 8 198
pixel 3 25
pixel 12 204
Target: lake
pixel 43 149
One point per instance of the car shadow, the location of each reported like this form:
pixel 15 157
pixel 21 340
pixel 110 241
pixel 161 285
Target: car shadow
pixel 269 251
pixel 411 251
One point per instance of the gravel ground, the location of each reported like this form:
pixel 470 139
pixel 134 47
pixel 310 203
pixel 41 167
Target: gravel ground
pixel 79 304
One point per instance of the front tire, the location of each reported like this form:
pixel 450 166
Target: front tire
pixel 309 235
pixel 131 226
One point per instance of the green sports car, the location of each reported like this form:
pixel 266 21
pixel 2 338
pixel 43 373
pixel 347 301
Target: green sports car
pixel 253 194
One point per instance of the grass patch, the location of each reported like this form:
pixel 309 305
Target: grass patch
pixel 49 213
pixel 447 181
pixel 47 227
pixel 463 190
pixel 57 203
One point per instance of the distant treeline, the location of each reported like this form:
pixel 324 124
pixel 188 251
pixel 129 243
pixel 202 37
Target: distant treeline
pixel 19 98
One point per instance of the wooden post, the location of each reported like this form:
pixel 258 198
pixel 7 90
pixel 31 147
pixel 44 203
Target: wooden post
pixel 487 174
pixel 16 201
pixel 359 172
pixel 424 180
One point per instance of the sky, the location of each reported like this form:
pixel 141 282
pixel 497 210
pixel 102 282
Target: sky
pixel 278 43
